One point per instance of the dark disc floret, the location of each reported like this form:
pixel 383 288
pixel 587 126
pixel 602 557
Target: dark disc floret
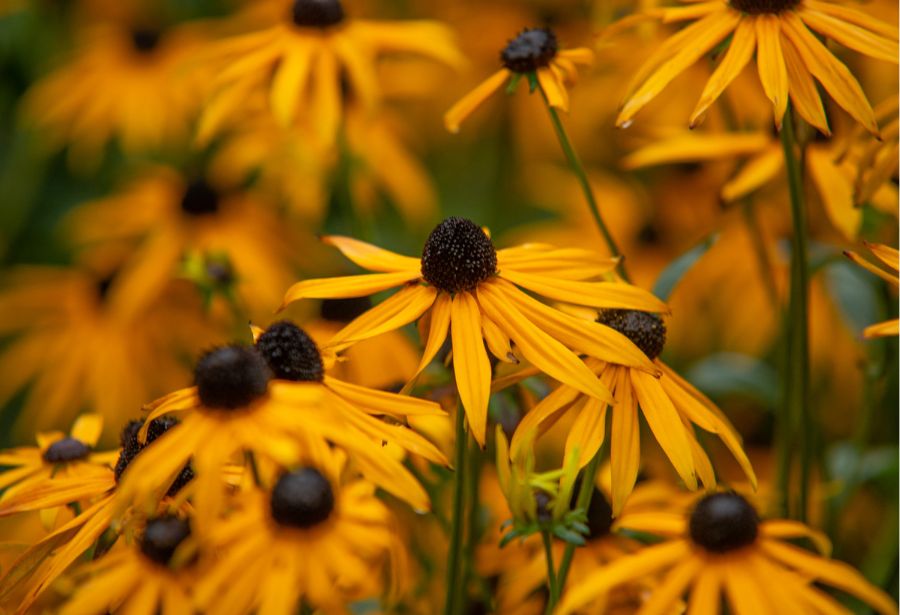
pixel 317 13
pixel 302 498
pixel 67 449
pixel 162 536
pixel 231 377
pixel 647 331
pixel 532 49
pixel 759 7
pixel 724 522
pixel 458 255
pixel 344 310
pixel 145 40
pixel 291 353
pixel 599 515
pixel 131 446
pixel 200 199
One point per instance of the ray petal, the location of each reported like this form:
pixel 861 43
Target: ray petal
pixel 470 362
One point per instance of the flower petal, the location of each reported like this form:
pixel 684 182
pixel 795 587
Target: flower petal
pixel 851 36
pixel 394 312
pixel 740 50
pixel 474 99
pixel 88 428
pixel 346 286
pixel 594 294
pixel 470 362
pixel 802 88
pixel 372 257
pixel 770 64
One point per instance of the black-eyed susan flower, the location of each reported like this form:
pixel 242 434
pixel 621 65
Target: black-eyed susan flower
pixel 143 575
pixel 274 402
pixel 317 535
pixel 535 54
pixel 463 281
pixel 789 55
pixel 889 257
pixel 129 82
pixel 669 404
pixel 722 550
pixel 310 57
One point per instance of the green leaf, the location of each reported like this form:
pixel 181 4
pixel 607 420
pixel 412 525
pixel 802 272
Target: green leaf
pixel 671 275
pixel 513 83
pixel 568 535
pixel 730 373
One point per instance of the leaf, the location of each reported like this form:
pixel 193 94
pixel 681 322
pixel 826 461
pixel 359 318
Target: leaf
pixel 568 535
pixel 730 373
pixel 671 275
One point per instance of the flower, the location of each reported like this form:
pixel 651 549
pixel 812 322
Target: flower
pixel 273 401
pixel 463 280
pixel 535 53
pixel 141 574
pixel 311 57
pixel 671 406
pixel 315 535
pixel 788 55
pixel 891 258
pixel 721 549
pixel 128 82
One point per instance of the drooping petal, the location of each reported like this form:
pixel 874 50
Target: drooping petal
pixel 692 147
pixel 554 89
pixel 835 190
pixel 743 42
pixel 347 286
pixel 745 594
pixel 470 362
pixel 437 331
pixel 757 172
pixel 403 308
pixel 625 442
pixel 705 594
pixel 587 432
pixel 770 64
pixel 668 593
pixel 497 341
pixel 851 36
pixel 88 428
pixel 855 17
pixel 539 418
pixel 786 528
pixel 372 257
pixel 288 84
pixel 889 328
pixel 382 402
pixel 802 88
pixel 474 99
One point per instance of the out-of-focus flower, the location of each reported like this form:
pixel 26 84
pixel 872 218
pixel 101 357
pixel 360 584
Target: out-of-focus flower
pixel 788 55
pixel 535 54
pixel 309 56
pixel 671 406
pixel 316 535
pixel 878 161
pixel 130 83
pixel 462 279
pixel 722 549
pixel 891 259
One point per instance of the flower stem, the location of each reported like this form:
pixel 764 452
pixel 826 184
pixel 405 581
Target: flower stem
pixel 796 420
pixel 583 501
pixel 551 575
pixel 581 174
pixel 455 573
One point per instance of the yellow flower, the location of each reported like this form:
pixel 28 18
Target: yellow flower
pixel 141 575
pixel 535 53
pixel 275 402
pixel 721 549
pixel 788 55
pixel 129 84
pixel 671 406
pixel 316 535
pixel 461 279
pixel 310 57
pixel 877 161
pixel 890 258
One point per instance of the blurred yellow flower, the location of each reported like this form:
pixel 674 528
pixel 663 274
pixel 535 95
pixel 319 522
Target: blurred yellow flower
pixel 891 259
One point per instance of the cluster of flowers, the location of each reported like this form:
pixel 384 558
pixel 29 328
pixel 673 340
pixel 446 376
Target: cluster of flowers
pixel 283 478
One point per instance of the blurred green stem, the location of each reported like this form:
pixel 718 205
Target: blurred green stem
pixel 584 182
pixel 551 575
pixel 795 423
pixel 455 572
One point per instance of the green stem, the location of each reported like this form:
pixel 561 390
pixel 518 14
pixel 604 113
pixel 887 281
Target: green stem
pixel 796 413
pixel 455 573
pixel 551 575
pixel 584 182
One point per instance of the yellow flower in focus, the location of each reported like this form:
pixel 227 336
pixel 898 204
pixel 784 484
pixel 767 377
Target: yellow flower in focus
pixel 317 535
pixel 131 84
pixel 310 57
pixel 463 280
pixel 721 549
pixel 534 53
pixel 788 55
pixel 891 259
pixel 671 406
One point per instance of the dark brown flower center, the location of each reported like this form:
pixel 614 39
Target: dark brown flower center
pixel 458 256
pixel 758 7
pixel 599 515
pixel 231 377
pixel 302 498
pixel 290 353
pixel 723 522
pixel 647 331
pixel 162 536
pixel 67 449
pixel 317 13
pixel 530 50
pixel 131 447
pixel 200 199
pixel 145 40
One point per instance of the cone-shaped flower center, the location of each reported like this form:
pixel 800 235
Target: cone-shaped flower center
pixel 530 50
pixel 302 498
pixel 599 515
pixel 162 536
pixel 724 522
pixel 131 447
pixel 757 7
pixel 200 199
pixel 344 310
pixel 290 353
pixel 231 377
pixel 318 13
pixel 646 330
pixel 67 449
pixel 457 256
pixel 145 40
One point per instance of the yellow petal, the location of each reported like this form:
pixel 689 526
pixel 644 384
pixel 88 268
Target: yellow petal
pixel 578 55
pixel 437 331
pixel 705 595
pixel 691 147
pixel 802 88
pixel 553 88
pixel 881 273
pixel 470 362
pixel 382 402
pixel 346 286
pixel 757 172
pixel 886 254
pixel 541 417
pixel 835 190
pixel 594 294
pixel 851 36
pixel 785 528
pixel 587 431
pixel 667 595
pixel 289 83
pixel 372 257
pixel 397 311
pixel 745 594
pixel 770 63
pixel 739 53
pixel 497 341
pixel 888 328
pixel 625 442
pixel 855 17
pixel 88 428
pixel 471 101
